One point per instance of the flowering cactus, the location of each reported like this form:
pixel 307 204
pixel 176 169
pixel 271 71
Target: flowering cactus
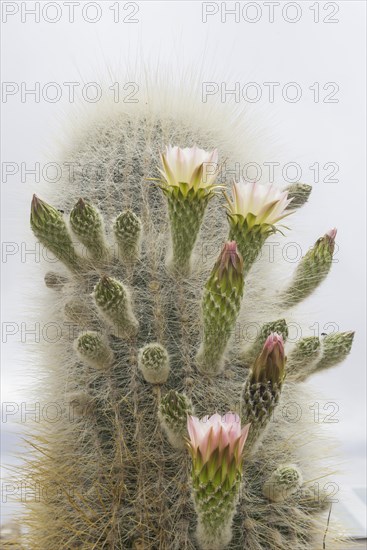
pixel 154 299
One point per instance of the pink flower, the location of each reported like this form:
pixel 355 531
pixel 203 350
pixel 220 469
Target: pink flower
pixel 222 433
pixel 190 165
pixel 270 363
pixel 258 203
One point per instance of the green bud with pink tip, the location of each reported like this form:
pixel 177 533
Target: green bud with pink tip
pixel 262 388
pixel 220 307
pixel 311 271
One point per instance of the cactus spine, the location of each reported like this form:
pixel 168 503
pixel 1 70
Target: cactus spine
pixel 133 483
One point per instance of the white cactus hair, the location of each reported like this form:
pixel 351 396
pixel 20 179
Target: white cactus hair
pixel 122 485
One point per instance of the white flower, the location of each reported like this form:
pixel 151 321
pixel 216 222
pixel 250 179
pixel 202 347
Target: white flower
pixel 263 204
pixel 190 165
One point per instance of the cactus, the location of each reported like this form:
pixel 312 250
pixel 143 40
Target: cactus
pixel 154 345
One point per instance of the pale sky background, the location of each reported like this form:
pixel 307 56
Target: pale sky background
pixel 173 35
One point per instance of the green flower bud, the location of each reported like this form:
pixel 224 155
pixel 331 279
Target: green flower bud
pixel 173 411
pixel 127 229
pixel 49 227
pixel 220 306
pixel 154 363
pixel 94 350
pixel 335 348
pixel 311 271
pixel 303 358
pixel 114 303
pixel 87 224
pixel 262 389
pixel 283 482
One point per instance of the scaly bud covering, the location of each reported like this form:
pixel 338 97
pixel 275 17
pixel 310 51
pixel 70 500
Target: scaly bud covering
pixel 220 306
pixel 173 411
pixel 312 270
pixel 216 447
pixel 303 358
pixel 262 388
pixel 94 350
pixel 154 363
pixel 127 229
pixel 279 326
pixel 49 227
pixel 299 193
pixel 188 183
pixel 252 214
pixel 87 224
pixel 283 482
pixel 335 348
pixel 113 300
